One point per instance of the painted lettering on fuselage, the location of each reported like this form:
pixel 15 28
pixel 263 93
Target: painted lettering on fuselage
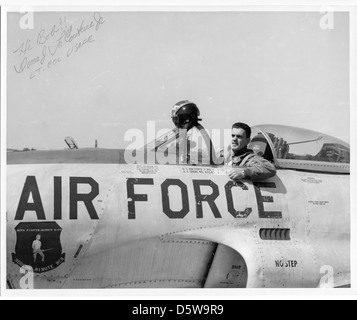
pixel 200 197
pixel 206 194
pixel 286 263
pixel 31 189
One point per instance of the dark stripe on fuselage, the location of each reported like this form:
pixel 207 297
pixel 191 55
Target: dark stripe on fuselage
pixel 67 156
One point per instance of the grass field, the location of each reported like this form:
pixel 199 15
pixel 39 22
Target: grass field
pixel 67 156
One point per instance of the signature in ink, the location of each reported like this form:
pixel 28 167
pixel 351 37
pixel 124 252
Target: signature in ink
pixel 24 48
pixel 68 35
pixel 52 47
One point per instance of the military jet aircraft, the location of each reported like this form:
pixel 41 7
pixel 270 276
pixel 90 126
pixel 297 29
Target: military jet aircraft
pixel 87 218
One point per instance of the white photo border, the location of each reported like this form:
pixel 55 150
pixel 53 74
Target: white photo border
pixel 170 294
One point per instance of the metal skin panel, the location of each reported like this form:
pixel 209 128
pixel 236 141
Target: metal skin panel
pixel 119 235
pixel 329 221
pixel 159 263
pixel 228 270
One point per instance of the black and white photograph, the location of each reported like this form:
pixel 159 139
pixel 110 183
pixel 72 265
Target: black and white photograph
pixel 176 148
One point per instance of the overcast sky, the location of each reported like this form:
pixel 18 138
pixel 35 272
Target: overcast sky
pixel 120 70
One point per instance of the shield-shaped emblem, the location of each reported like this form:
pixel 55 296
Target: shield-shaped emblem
pixel 39 246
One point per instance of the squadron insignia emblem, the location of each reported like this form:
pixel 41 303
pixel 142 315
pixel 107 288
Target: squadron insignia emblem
pixel 39 246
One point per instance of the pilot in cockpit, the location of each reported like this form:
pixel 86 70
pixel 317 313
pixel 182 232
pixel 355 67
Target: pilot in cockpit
pixel 246 164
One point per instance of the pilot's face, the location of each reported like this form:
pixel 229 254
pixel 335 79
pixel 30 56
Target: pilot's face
pixel 239 139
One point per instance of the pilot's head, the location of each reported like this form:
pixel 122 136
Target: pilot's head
pixel 240 136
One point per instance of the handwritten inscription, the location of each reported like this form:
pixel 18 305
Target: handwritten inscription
pixel 54 45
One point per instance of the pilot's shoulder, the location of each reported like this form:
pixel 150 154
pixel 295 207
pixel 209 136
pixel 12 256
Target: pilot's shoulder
pixel 257 159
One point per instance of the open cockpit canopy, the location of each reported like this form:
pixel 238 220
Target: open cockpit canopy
pixel 302 149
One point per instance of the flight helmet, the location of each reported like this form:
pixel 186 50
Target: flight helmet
pixel 185 114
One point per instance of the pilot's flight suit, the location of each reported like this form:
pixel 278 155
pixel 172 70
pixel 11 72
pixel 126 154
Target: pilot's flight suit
pixel 256 167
